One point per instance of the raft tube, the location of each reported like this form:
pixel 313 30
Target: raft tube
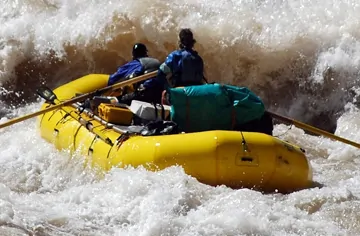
pixel 235 159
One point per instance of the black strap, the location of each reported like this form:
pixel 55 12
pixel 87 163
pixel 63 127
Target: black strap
pixel 162 111
pixel 205 79
pixel 156 111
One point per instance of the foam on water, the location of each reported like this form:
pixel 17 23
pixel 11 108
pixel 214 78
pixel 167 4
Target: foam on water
pixel 301 57
pixel 289 52
pixel 47 192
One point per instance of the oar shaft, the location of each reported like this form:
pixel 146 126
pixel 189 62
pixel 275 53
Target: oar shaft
pixel 81 98
pixel 51 108
pixel 128 82
pixel 19 119
pixel 313 129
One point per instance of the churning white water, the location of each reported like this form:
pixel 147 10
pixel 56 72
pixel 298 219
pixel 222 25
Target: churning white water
pixel 301 57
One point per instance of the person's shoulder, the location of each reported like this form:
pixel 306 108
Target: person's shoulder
pixel 132 62
pixel 188 51
pixel 153 59
pixel 191 52
pixel 176 52
pixel 173 56
pixel 194 52
pixel 148 59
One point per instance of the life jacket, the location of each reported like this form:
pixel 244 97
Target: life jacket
pixel 190 71
pixel 148 65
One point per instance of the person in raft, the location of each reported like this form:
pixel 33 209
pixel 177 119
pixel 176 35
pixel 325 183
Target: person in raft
pixel 141 63
pixel 147 91
pixel 182 67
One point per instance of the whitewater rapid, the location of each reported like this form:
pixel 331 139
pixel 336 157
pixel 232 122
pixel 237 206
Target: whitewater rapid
pixel 301 57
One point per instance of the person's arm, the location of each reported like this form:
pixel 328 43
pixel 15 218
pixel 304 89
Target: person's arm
pixel 125 70
pixel 120 73
pixel 166 70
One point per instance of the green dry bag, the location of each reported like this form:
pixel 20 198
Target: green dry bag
pixel 213 107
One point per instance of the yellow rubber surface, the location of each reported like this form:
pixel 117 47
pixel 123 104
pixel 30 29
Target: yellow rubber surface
pixel 213 157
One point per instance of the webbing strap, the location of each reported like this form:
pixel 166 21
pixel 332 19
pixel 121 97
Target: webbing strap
pixel 187 115
pixel 233 118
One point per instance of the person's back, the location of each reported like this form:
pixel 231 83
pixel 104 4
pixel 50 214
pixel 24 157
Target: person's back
pixel 192 69
pixel 140 64
pixel 187 68
pixel 183 67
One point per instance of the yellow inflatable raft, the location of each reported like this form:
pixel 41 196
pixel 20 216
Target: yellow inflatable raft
pixel 235 159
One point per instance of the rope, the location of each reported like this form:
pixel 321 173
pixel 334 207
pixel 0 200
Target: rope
pixel 278 136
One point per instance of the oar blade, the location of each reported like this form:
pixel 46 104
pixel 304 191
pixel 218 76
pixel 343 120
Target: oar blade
pixel 313 129
pixel 46 94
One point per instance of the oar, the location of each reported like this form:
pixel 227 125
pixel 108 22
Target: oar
pixel 313 129
pixel 79 98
